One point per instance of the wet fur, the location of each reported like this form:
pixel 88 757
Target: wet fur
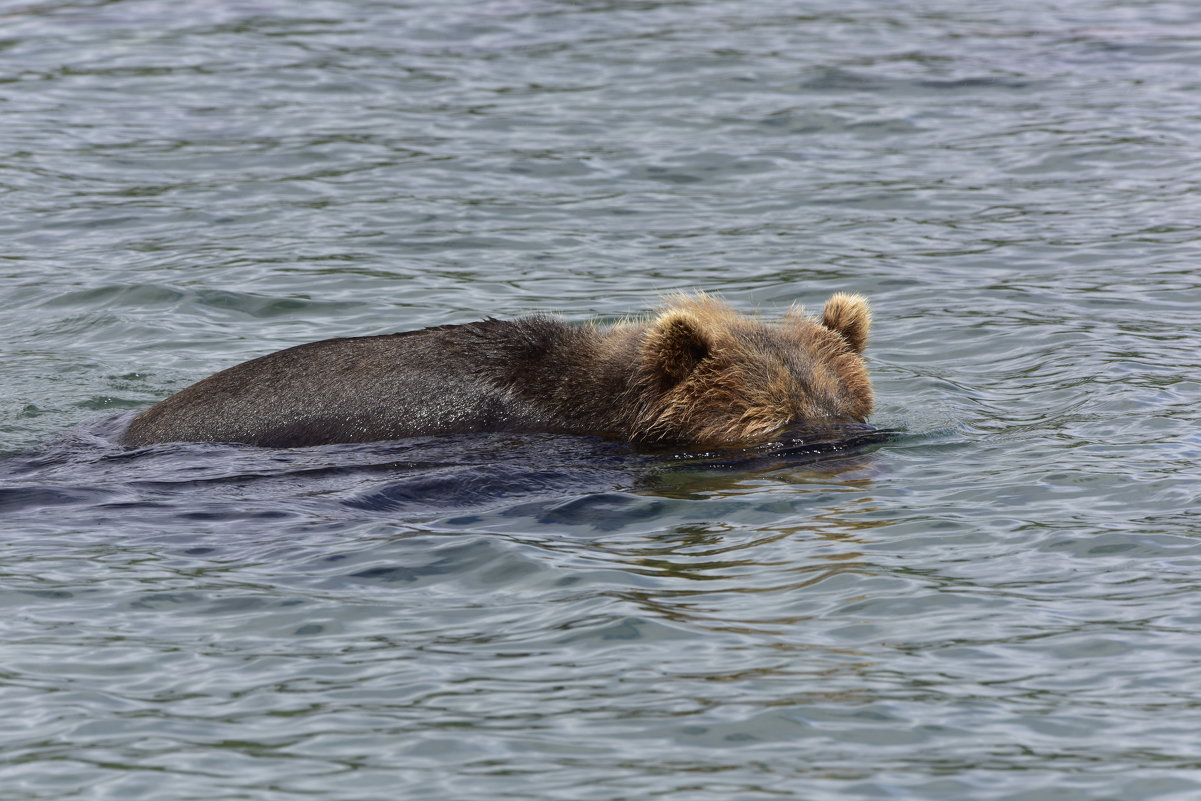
pixel 698 373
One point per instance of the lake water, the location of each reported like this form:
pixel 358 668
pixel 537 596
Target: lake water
pixel 1001 603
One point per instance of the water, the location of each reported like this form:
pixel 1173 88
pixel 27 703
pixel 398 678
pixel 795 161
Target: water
pixel 998 604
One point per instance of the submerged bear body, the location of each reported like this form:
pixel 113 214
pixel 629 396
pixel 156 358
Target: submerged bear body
pixel 697 374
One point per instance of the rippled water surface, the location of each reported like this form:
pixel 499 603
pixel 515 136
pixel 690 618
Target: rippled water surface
pixel 999 603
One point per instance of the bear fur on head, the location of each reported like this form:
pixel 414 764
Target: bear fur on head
pixel 706 374
pixel 850 316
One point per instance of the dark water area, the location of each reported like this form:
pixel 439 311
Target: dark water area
pixel 995 601
pixel 439 478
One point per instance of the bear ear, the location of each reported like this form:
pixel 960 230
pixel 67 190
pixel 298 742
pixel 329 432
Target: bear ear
pixel 674 345
pixel 849 316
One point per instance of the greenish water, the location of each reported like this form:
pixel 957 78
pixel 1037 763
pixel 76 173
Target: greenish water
pixel 999 605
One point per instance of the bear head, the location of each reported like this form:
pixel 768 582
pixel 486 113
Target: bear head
pixel 708 375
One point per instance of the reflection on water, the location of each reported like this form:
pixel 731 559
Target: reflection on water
pixel 406 479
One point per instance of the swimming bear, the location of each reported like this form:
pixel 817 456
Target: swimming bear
pixel 696 374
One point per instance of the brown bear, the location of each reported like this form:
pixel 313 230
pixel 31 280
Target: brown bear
pixel 697 374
